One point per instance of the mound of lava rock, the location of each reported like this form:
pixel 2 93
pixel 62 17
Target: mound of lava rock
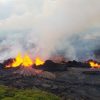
pixel 52 66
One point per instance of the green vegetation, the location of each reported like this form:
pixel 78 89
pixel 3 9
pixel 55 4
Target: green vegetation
pixel 27 94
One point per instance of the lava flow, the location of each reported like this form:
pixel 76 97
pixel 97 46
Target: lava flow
pixel 25 61
pixel 94 64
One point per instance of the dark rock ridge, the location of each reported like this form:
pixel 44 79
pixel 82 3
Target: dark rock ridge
pixel 52 66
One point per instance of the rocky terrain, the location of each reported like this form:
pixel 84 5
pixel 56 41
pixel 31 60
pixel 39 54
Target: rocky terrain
pixel 73 84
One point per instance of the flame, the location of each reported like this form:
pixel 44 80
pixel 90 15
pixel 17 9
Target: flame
pixel 25 61
pixel 94 64
pixel 18 61
pixel 38 61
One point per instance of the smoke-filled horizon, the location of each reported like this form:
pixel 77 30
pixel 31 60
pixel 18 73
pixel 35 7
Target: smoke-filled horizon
pixel 45 28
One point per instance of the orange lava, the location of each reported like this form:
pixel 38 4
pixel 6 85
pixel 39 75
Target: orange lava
pixel 25 61
pixel 94 64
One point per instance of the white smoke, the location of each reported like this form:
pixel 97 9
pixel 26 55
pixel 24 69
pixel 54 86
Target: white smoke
pixel 53 26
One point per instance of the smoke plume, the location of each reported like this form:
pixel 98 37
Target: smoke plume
pixel 61 27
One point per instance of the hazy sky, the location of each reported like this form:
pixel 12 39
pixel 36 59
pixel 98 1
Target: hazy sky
pixel 47 22
pixel 25 14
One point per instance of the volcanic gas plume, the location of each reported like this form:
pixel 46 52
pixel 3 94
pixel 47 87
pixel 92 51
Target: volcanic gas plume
pixel 50 27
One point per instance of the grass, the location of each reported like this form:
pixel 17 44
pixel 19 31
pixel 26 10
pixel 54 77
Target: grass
pixel 25 94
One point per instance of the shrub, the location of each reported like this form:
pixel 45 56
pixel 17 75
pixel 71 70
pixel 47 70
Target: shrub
pixel 8 98
pixel 27 94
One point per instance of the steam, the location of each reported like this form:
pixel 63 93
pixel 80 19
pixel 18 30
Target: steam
pixel 64 27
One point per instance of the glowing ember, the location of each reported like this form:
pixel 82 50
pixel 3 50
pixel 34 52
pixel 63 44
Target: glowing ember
pixel 94 64
pixel 25 61
pixel 8 66
pixel 38 61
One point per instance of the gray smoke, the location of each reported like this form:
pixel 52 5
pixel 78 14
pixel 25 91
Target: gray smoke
pixel 64 27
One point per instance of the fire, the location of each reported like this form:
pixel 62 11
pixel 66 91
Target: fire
pixel 18 61
pixel 25 61
pixel 94 64
pixel 38 61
